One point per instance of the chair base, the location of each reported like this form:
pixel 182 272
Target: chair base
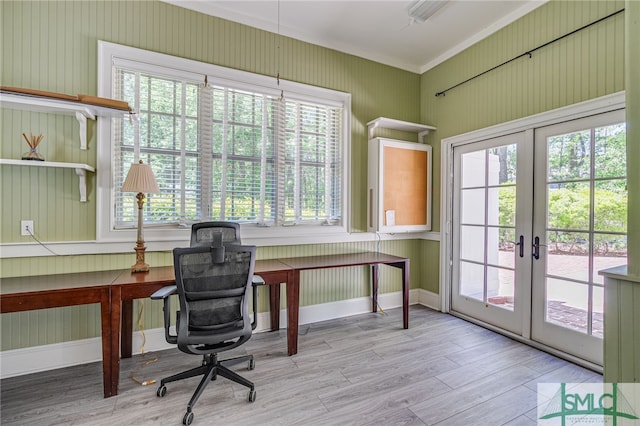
pixel 209 370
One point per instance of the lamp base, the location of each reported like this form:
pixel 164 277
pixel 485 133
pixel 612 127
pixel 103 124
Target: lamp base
pixel 140 265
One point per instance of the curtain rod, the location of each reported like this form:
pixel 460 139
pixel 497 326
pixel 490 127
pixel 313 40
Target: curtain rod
pixel 529 53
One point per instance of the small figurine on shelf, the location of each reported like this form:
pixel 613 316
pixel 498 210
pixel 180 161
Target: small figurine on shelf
pixel 33 143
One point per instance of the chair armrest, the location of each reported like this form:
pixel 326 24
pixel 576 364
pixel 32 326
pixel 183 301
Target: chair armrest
pixel 164 292
pixel 256 281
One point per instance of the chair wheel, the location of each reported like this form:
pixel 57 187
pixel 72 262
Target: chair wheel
pixel 252 364
pixel 252 395
pixel 188 418
pixel 162 391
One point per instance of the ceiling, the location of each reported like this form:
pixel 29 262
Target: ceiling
pixel 379 30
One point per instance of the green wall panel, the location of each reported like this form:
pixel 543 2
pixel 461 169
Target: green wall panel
pixel 24 329
pixel 632 71
pixel 53 46
pixel 583 66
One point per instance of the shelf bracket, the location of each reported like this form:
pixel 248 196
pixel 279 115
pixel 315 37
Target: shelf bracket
pixel 422 134
pixel 372 127
pixel 82 177
pixel 82 121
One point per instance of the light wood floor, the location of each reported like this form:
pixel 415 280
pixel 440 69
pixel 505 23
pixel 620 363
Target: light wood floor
pixel 360 370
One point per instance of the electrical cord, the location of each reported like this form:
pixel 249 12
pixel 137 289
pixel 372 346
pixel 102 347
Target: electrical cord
pixel 134 373
pixel 41 243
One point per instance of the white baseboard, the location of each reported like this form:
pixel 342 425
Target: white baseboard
pixel 18 362
pixel 429 299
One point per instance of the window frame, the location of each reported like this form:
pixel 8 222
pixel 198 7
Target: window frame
pixel 110 53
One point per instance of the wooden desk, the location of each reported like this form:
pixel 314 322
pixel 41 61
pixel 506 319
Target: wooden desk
pixel 141 285
pixel 298 264
pixel 115 291
pixel 54 291
pixel 274 272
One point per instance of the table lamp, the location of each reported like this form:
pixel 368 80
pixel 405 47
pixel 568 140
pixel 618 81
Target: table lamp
pixel 140 179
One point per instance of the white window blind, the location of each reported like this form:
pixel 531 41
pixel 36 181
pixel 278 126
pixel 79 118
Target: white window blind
pixel 166 137
pixel 227 152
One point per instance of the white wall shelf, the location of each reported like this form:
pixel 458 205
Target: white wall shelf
pixel 80 169
pixel 389 123
pixel 81 111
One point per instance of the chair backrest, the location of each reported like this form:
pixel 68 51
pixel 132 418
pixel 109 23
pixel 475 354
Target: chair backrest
pixel 215 233
pixel 213 286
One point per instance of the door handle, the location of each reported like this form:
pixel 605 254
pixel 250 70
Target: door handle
pixel 536 248
pixel 521 244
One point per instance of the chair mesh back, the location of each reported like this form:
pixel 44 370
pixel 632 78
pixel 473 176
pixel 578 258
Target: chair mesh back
pixel 211 233
pixel 213 287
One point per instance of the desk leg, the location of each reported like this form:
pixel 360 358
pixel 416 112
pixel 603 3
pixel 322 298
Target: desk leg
pixel 107 350
pixel 293 306
pixel 374 288
pixel 116 304
pixel 126 339
pixel 405 294
pixel 274 306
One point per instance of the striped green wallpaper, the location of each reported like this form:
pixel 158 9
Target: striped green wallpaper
pixel 47 326
pixel 52 46
pixel 583 66
pixel 632 71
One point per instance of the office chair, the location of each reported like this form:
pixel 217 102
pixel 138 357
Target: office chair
pixel 218 233
pixel 213 285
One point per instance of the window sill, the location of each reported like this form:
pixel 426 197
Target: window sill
pixel 67 248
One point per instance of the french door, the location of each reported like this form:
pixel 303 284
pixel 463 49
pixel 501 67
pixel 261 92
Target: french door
pixel 579 227
pixel 536 214
pixel 490 236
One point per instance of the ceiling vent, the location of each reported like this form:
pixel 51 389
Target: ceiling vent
pixel 421 10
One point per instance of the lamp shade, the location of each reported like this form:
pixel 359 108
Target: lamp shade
pixel 140 179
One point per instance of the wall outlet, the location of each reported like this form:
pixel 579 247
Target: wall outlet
pixel 26 227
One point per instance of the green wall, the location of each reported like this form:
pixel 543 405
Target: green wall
pixel 583 66
pixel 52 46
pixel 632 70
pixel 586 65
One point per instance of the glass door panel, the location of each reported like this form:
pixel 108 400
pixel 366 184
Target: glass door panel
pixel 580 223
pixel 488 230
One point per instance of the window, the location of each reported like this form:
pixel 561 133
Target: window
pixel 224 145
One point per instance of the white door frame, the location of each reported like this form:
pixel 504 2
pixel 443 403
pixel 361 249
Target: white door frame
pixel 515 319
pixel 571 112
